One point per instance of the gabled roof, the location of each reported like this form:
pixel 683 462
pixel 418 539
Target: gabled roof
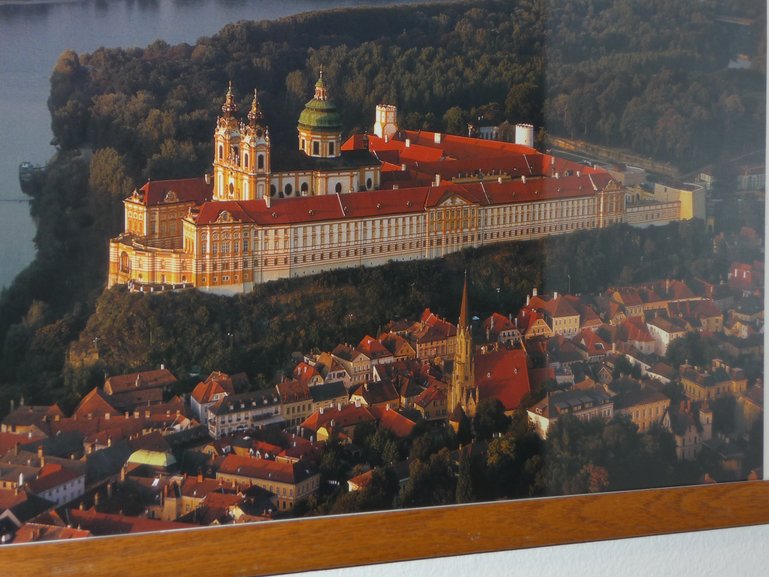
pixel 431 328
pixel 346 416
pixel 555 306
pixel 373 349
pixel 347 353
pixel 27 415
pixel 305 373
pixel 397 345
pixel 52 475
pixel 393 421
pixel 38 532
pixel 174 191
pixel 95 403
pixel 158 378
pixel 431 394
pixel 280 472
pixel 376 393
pixel 293 391
pixel 496 324
pixel 217 383
pixel 593 344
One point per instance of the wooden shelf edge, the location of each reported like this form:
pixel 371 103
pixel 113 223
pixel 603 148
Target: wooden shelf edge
pixel 332 542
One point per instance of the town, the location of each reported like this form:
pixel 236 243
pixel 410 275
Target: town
pixel 426 412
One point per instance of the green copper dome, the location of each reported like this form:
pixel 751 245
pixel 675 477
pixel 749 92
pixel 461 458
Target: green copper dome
pixel 320 113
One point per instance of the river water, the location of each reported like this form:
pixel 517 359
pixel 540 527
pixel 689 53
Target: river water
pixel 32 35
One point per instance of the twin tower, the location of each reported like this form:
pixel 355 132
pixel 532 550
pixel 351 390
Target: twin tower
pixel 242 149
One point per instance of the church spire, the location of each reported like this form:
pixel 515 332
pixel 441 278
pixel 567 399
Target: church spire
pixel 463 309
pixel 255 114
pixel 229 107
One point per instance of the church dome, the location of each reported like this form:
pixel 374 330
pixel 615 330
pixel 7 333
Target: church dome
pixel 320 113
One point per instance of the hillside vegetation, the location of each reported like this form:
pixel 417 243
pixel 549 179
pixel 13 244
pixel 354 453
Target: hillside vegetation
pixel 650 76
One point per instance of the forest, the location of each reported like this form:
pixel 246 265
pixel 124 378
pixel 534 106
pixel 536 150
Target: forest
pixel 652 77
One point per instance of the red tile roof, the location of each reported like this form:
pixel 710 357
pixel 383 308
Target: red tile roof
pixel 215 384
pixel 36 532
pixel 503 375
pixel 50 476
pixel 95 403
pixel 109 524
pixel 277 471
pixel 293 391
pixel 393 421
pixel 143 380
pixel 373 349
pixel 170 191
pixel 347 416
pixel 433 393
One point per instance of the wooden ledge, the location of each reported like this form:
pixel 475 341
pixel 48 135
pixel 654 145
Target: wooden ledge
pixel 331 542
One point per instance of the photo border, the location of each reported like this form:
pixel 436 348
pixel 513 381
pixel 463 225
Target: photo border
pixel 331 542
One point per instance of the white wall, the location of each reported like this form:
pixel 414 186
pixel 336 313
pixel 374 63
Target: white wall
pixel 738 552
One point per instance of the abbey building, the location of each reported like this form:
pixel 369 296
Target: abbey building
pixel 391 195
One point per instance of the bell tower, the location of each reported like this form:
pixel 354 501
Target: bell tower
pixel 256 147
pixel 241 153
pixel 463 391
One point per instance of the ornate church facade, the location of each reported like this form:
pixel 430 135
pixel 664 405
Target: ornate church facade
pixel 392 195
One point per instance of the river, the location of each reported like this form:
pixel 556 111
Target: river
pixel 33 34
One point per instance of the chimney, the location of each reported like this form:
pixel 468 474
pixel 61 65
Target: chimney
pixel 208 178
pixel 408 143
pixel 437 180
pixel 534 292
pixel 106 416
pixel 16 448
pixel 523 179
pixel 40 455
pixel 109 490
pixel 96 500
pixel 200 475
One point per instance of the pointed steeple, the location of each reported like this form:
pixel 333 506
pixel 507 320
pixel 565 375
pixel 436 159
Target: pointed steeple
pixel 255 114
pixel 229 107
pixel 463 309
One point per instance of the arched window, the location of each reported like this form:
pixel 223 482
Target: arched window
pixel 125 263
pixel 368 184
pixel 273 190
pixel 331 149
pixel 245 160
pixel 305 188
pixel 260 162
pixel 288 190
pixel 221 152
pixel 338 187
pixel 316 148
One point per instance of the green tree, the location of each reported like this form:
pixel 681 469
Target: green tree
pixel 490 418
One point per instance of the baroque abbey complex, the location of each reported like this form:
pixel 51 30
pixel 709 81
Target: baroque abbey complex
pixel 391 195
